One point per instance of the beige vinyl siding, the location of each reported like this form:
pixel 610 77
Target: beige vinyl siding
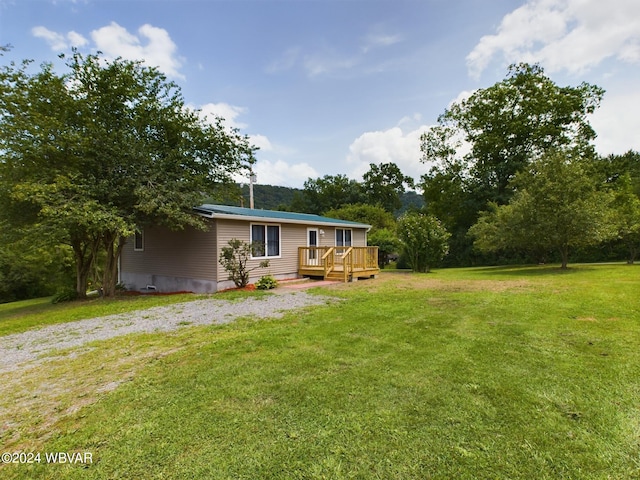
pixel 169 257
pixel 359 237
pixel 189 253
pixel 291 237
pixel 326 240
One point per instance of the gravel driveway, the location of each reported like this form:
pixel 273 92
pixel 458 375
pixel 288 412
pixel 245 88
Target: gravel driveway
pixel 20 349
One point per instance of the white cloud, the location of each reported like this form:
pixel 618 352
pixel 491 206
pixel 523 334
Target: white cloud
pixel 262 142
pixel 616 124
pixel 281 173
pixel 462 96
pixel 76 40
pixel 286 61
pixel 228 112
pixel 573 35
pixel 327 62
pixel 392 145
pixel 319 62
pixel 374 40
pixel 55 40
pixel 151 44
pixel 58 41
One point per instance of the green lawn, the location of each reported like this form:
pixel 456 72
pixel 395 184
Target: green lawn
pixel 518 372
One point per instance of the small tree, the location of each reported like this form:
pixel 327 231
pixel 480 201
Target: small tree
pixel 424 240
pixel 626 211
pixel 235 260
pixel 557 206
pixel 387 242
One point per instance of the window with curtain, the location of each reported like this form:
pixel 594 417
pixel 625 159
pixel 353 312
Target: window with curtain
pixel 265 240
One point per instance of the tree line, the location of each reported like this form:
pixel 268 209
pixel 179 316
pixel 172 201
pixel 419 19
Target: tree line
pixel 513 177
pixel 89 156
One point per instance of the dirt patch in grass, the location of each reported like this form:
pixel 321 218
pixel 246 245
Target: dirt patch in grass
pixel 410 281
pixel 35 399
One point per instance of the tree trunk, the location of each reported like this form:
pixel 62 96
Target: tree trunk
pixel 633 252
pixel 84 252
pixel 114 244
pixel 82 278
pixel 564 253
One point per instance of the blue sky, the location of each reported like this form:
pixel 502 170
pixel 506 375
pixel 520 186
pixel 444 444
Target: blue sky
pixel 330 86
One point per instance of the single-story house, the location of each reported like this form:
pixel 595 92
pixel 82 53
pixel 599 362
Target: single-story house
pixel 295 244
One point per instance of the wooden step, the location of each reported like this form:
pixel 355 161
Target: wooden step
pixel 335 276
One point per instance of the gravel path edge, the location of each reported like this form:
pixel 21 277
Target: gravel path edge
pixel 20 350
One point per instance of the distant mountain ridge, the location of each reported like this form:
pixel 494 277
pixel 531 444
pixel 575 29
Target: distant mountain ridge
pixel 272 197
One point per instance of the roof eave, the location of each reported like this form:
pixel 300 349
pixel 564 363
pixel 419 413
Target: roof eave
pixel 230 216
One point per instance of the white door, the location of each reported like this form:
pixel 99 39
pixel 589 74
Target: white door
pixel 312 241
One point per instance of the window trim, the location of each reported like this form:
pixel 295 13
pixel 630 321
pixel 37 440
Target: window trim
pixel 266 248
pixel 343 239
pixel 138 234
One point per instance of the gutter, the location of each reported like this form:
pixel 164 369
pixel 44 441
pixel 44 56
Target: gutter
pixel 251 218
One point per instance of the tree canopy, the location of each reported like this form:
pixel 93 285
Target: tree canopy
pixel 512 122
pixel 97 152
pixel 424 240
pixel 557 206
pixel 481 143
pixel 331 191
pixel 373 215
pixel 383 185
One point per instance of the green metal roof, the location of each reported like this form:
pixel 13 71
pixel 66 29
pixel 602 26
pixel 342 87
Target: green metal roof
pixel 286 217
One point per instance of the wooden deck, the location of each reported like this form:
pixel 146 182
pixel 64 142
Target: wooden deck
pixel 338 263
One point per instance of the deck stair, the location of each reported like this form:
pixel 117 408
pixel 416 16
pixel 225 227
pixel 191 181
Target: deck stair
pixel 343 264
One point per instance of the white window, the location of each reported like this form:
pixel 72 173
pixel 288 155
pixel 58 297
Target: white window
pixel 138 241
pixel 343 237
pixel 265 240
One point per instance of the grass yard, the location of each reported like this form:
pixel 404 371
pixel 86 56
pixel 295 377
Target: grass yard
pixel 510 372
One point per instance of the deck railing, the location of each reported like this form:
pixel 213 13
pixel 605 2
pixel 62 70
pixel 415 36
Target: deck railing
pixel 328 261
pixel 347 264
pixel 341 260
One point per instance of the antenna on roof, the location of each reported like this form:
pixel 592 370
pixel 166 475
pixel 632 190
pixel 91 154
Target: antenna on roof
pixel 252 179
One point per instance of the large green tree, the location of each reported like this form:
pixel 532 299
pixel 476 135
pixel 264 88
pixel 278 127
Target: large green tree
pixel 384 185
pixel 481 143
pixel 373 215
pixel 558 206
pixel 325 193
pixel 103 149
